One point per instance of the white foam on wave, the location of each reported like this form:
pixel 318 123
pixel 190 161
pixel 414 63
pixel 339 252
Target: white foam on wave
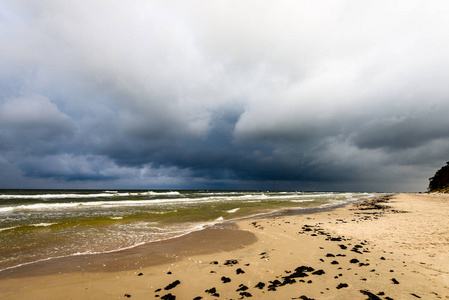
pixel 42 224
pixel 171 193
pixel 355 198
pixel 305 200
pixel 253 197
pixel 121 203
pixel 8 228
pixel 314 195
pixel 219 219
pixel 62 196
pixel 91 204
pixel 93 195
pixel 231 211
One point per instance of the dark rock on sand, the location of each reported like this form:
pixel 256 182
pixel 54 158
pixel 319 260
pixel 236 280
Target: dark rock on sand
pixel 363 264
pixel 127 295
pixel 242 287
pixel 172 285
pixel 415 295
pixel 225 279
pixel 288 281
pixel 245 294
pixel 330 255
pixel 213 292
pixel 274 284
pixel 260 285
pixel 140 274
pixel 214 262
pixel 354 261
pixel 198 298
pixel 231 262
pixel 370 295
pixel 304 298
pixel 239 271
pixel 307 228
pixel 319 272
pixel 168 297
pixel 300 272
pixel 356 249
pixel 334 262
pixel 342 285
pixel 343 247
pixel 394 281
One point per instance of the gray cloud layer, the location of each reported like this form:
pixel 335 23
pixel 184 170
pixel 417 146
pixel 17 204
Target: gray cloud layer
pixel 335 95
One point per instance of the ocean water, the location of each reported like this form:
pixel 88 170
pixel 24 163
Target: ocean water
pixel 37 225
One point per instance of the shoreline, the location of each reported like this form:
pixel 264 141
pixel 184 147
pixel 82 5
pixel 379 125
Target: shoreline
pixel 215 238
pixel 402 238
pixel 88 262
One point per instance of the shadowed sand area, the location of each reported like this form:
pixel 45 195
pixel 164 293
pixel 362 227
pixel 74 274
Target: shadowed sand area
pixel 390 247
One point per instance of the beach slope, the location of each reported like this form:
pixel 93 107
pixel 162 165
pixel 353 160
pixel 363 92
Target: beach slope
pixel 389 247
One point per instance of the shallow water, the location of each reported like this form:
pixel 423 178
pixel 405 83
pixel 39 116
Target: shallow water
pixel 38 225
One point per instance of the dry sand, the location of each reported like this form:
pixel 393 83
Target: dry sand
pixel 388 248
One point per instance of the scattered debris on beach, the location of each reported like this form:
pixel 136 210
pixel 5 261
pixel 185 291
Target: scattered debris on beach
pixel 327 266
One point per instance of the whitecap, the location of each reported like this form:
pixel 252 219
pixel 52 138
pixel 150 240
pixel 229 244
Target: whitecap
pixel 61 196
pixel 305 200
pixel 8 228
pixel 43 224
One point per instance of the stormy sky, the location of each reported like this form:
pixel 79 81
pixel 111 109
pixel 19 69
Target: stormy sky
pixel 298 95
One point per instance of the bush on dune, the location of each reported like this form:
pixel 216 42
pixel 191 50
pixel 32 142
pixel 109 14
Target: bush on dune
pixel 440 181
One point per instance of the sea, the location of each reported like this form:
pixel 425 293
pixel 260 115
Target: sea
pixel 40 225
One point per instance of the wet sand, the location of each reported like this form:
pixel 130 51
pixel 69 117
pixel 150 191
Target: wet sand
pixel 386 248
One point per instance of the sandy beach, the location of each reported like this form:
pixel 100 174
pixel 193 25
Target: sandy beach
pixel 390 247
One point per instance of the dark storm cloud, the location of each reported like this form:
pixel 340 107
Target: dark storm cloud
pixel 65 167
pixel 404 133
pixel 195 94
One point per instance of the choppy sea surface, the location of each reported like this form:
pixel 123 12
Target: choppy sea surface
pixel 37 225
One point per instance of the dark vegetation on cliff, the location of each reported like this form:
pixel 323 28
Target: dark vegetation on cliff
pixel 440 181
